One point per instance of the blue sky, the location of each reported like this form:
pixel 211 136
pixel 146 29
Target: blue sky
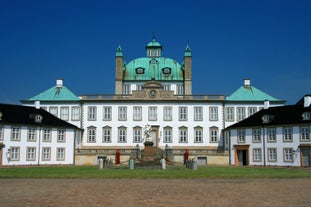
pixel 268 41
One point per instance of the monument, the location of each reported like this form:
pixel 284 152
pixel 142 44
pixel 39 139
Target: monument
pixel 148 155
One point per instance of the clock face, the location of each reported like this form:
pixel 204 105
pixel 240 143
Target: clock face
pixel 152 93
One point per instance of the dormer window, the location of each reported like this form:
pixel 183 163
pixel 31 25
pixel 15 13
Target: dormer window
pixel 166 70
pixel 140 70
pixel 306 115
pixel 153 61
pixel 38 118
pixel 267 118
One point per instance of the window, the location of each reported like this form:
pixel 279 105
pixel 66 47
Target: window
pixel 31 134
pixel 240 113
pixel 306 115
pixel 60 154
pixel 139 87
pixel 183 110
pixel 288 155
pixel 304 134
pixel 198 134
pixel 92 113
pixel 64 113
pixel 183 138
pixel 140 70
pixel 31 154
pixel 198 113
pixel 167 134
pixel 180 89
pixel 54 111
pixel 126 89
pixel 229 113
pixel 106 134
pixel 122 113
pixel 256 135
pixel 241 136
pixel 14 156
pixel 152 115
pixel 46 135
pixel 213 134
pixel 166 87
pixel 287 134
pixel 15 134
pixel 91 134
pixel 213 113
pixel 1 133
pixel 75 113
pixel 257 155
pixel 272 155
pixel 166 70
pixel 271 133
pixel 252 110
pixel 137 113
pixel 167 110
pixel 107 113
pixel 137 134
pixel 122 134
pixel 46 153
pixel 60 135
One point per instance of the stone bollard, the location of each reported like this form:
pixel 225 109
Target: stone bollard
pixel 101 163
pixel 194 165
pixel 163 164
pixel 131 164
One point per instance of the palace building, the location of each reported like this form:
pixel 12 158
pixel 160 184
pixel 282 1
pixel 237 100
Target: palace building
pixel 153 91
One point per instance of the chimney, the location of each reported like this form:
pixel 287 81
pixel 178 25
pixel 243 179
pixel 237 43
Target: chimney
pixel 59 83
pixel 266 104
pixel 37 104
pixel 307 101
pixel 247 82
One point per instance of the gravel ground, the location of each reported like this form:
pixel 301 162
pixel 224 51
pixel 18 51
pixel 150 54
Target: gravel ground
pixel 155 192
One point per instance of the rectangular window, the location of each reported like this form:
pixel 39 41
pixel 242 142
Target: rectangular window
pixel 91 135
pixel 180 89
pixel 15 134
pixel 60 135
pixel 60 154
pixel 75 113
pixel 198 113
pixel 31 154
pixel 256 135
pixel 139 87
pixel 54 111
pixel 122 134
pixel 183 137
pixel 251 110
pixel 167 116
pixel 137 134
pixel 14 156
pixel 107 113
pixel 257 155
pixel 241 136
pixel 166 87
pixel 137 113
pixel 240 113
pixel 46 153
pixel 122 113
pixel 229 113
pixel 287 134
pixel 126 89
pixel 213 134
pixel 152 113
pixel 1 133
pixel 271 133
pixel 167 135
pixel 64 113
pixel 304 134
pixel 107 134
pixel 92 113
pixel 272 155
pixel 198 134
pixel 213 113
pixel 46 135
pixel 288 155
pixel 31 137
pixel 183 113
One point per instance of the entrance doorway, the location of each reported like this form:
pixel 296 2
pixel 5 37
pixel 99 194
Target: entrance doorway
pixel 155 135
pixel 305 157
pixel 241 155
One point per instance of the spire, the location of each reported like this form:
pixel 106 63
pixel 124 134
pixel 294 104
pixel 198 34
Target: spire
pixel 187 50
pixel 119 51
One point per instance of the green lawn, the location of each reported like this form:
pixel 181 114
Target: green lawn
pixel 171 172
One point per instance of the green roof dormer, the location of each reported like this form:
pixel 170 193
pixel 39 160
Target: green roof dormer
pixel 154 48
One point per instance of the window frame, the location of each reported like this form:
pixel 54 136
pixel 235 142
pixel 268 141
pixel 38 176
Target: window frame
pixel 31 134
pixel 75 113
pixel 167 113
pixel 61 135
pixel 137 113
pixel 167 134
pixel 122 132
pixel 91 134
pixel 257 152
pixel 287 134
pixel 91 113
pixel 213 113
pixel 256 135
pixel 183 113
pixel 64 113
pixel 122 113
pixel 270 154
pixel 183 134
pixel 31 156
pixel 198 113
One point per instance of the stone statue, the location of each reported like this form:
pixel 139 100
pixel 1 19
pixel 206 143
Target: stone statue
pixel 147 133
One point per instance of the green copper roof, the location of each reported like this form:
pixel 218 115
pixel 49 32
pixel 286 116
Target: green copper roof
pixel 187 51
pixel 119 51
pixel 250 93
pixel 154 43
pixel 153 69
pixel 55 94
